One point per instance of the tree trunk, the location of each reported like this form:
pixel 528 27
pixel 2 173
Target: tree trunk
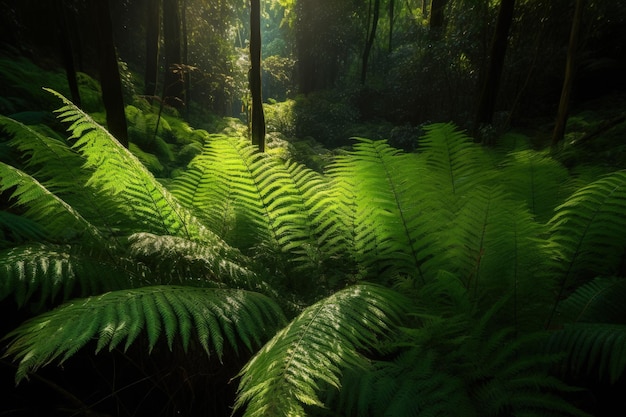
pixel 392 5
pixel 153 29
pixel 258 117
pixel 491 84
pixel 570 71
pixel 174 80
pixel 371 36
pixel 67 54
pixel 437 16
pixel 110 81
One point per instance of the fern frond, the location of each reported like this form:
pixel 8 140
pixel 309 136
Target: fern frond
pixel 291 369
pixel 455 163
pixel 15 229
pixel 588 232
pixel 116 172
pixel 45 272
pixel 597 350
pixel 536 178
pixel 498 249
pixel 410 385
pixel 60 221
pixel 394 220
pixel 600 300
pixel 49 160
pixel 184 260
pixel 208 314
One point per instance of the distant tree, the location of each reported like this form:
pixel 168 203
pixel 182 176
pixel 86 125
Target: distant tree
pixel 570 70
pixel 258 117
pixel 392 6
pixel 491 84
pixel 110 81
pixel 371 36
pixel 437 15
pixel 66 49
pixel 323 40
pixel 153 31
pixel 174 86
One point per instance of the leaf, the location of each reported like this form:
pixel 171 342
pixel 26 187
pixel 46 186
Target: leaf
pixel 118 316
pixel 311 352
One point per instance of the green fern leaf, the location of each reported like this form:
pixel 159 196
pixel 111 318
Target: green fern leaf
pixel 118 316
pixel 589 232
pixel 61 221
pixel 52 273
pixel 536 178
pixel 393 220
pixel 118 173
pixel 597 350
pixel 181 259
pixel 288 372
pixel 455 163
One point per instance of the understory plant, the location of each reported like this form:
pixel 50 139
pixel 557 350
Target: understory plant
pixel 391 284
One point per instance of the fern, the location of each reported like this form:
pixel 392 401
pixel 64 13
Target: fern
pixel 213 316
pixel 60 221
pixel 52 272
pixel 119 174
pixel 232 183
pixel 392 219
pixel 594 335
pixel 589 232
pixel 536 178
pixel 455 163
pixel 410 385
pixel 184 260
pixel 290 370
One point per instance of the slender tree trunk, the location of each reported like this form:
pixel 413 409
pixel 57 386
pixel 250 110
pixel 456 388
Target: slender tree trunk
pixel 491 84
pixel 371 36
pixel 67 51
pixel 185 52
pixel 258 117
pixel 392 5
pixel 174 80
pixel 153 29
pixel 437 16
pixel 110 81
pixel 570 72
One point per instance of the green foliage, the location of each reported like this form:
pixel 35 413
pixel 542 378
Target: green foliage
pixel 286 374
pixel 460 230
pixel 212 316
pixel 594 335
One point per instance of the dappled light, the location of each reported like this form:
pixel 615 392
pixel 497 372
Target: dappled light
pixel 312 208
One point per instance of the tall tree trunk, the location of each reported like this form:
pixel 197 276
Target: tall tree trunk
pixel 153 29
pixel 371 36
pixel 491 84
pixel 258 117
pixel 67 54
pixel 437 16
pixel 110 81
pixel 392 5
pixel 174 80
pixel 186 74
pixel 570 72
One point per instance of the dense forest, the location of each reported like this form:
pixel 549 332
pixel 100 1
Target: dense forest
pixel 313 208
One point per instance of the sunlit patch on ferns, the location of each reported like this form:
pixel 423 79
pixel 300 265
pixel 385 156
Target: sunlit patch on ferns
pixel 288 373
pixel 180 260
pixel 215 318
pixel 60 221
pixel 121 175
